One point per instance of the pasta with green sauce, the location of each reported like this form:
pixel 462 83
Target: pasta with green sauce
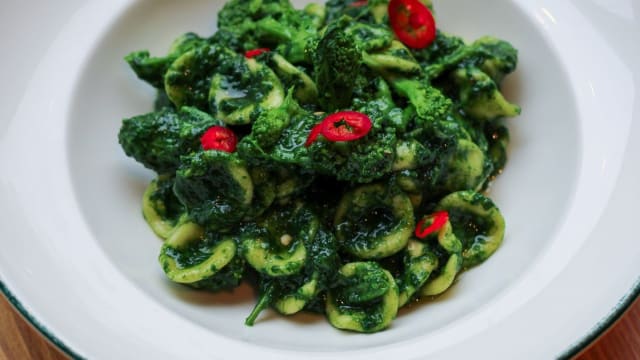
pixel 333 157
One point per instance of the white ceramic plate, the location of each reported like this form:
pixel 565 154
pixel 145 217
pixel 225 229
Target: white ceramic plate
pixel 79 262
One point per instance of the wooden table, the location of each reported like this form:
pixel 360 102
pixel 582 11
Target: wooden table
pixel 18 340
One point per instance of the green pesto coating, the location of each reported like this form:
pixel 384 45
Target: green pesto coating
pixel 238 95
pixel 392 60
pixel 366 299
pixel 161 208
pixel 443 46
pixel 374 222
pixel 291 291
pixel 446 245
pixel 215 188
pixel 419 262
pixel 480 95
pixel 277 246
pixel 494 56
pixel 498 142
pixel 297 292
pixel 201 259
pixel 477 222
pixel 304 88
pixel 187 82
pixel 268 127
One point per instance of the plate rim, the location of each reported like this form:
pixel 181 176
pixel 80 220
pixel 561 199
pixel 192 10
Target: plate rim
pixel 596 330
pixel 37 324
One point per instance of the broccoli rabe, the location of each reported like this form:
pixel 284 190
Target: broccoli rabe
pixel 159 139
pixel 272 24
pixel 429 103
pixel 336 62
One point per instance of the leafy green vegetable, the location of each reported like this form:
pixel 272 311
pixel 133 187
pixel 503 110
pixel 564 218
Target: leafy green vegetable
pixel 337 140
pixel 215 188
pixel 337 58
pixel 188 79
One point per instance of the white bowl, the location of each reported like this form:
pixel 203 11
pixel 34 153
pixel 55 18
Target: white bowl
pixel 80 262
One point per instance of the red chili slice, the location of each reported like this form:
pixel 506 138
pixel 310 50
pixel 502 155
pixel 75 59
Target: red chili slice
pixel 313 135
pixel 219 138
pixel 341 126
pixel 346 126
pixel 438 220
pixel 412 22
pixel 255 52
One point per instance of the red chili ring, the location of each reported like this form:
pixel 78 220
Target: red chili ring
pixel 439 219
pixel 412 23
pixel 341 126
pixel 346 126
pixel 219 138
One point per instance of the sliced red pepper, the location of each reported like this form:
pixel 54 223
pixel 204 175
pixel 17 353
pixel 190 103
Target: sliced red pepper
pixel 412 22
pixel 255 52
pixel 341 126
pixel 219 138
pixel 437 219
pixel 346 126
